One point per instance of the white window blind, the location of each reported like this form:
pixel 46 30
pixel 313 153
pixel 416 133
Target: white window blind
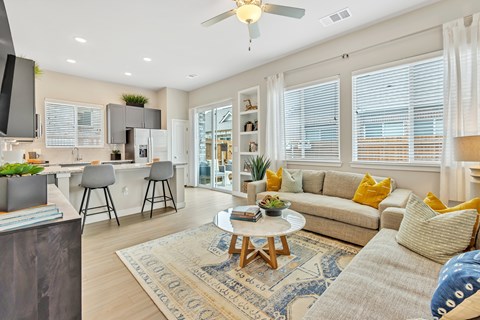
pixel 73 125
pixel 312 122
pixel 398 114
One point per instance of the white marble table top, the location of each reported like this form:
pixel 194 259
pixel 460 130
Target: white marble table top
pixel 289 222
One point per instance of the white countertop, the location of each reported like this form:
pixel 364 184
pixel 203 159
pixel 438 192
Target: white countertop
pixel 79 169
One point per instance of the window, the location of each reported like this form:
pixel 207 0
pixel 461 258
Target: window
pixel 71 125
pixel 398 113
pixel 312 122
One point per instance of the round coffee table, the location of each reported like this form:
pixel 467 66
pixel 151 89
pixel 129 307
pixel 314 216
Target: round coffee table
pixel 267 227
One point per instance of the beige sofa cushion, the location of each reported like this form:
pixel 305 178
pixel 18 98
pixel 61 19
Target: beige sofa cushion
pixel 333 208
pixel 384 281
pixel 344 184
pixel 313 181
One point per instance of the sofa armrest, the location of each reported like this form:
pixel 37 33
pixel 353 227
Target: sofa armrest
pixel 397 199
pixel 253 188
pixel 391 218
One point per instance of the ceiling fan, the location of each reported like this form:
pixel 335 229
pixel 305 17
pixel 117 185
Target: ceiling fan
pixel 249 11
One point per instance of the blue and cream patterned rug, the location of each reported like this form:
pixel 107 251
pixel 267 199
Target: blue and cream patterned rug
pixel 190 275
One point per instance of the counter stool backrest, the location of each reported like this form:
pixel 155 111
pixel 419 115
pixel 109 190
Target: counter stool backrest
pixel 98 176
pixel 162 170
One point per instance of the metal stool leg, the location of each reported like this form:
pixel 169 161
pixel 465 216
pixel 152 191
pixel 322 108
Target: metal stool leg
pixel 108 205
pixel 171 196
pixel 146 195
pixel 86 209
pixel 153 199
pixel 113 206
pixel 83 199
pixel 164 194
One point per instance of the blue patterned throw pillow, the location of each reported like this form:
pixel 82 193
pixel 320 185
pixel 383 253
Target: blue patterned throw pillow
pixel 458 293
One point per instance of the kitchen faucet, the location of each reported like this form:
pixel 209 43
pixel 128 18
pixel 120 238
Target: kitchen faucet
pixel 77 155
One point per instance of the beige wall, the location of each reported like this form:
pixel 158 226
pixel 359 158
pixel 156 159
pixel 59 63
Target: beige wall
pixel 60 86
pixel 412 43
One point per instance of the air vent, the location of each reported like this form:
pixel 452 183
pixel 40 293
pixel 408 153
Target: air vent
pixel 336 17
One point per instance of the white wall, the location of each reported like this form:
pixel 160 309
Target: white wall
pixel 412 43
pixel 65 87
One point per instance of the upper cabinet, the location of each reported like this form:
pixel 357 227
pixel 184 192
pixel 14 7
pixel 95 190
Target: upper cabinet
pixel 120 117
pixel 134 117
pixel 117 132
pixel 152 119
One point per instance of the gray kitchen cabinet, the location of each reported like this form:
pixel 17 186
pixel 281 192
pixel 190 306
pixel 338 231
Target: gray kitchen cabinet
pixel 116 125
pixel 134 117
pixel 153 118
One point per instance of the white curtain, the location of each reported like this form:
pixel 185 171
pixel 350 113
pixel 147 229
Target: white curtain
pixel 274 127
pixel 462 108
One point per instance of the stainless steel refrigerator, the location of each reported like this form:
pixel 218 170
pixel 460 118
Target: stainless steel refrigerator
pixel 144 145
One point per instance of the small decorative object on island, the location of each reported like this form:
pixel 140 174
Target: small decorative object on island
pixel 21 187
pixel 116 155
pixel 272 205
pixel 249 105
pixel 135 100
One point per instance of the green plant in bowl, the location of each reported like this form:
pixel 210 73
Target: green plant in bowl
pixel 19 169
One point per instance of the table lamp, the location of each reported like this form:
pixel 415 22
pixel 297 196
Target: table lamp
pixel 467 149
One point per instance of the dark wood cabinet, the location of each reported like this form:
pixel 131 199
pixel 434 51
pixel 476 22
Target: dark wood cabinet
pixel 116 125
pixel 40 268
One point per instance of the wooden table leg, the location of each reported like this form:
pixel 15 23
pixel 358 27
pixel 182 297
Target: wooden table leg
pixel 244 252
pixel 233 242
pixel 285 249
pixel 272 252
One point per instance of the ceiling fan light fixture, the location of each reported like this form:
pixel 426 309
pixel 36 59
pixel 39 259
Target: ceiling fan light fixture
pixel 249 13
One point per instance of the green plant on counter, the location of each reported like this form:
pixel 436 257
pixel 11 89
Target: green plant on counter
pixel 116 151
pixel 258 166
pixel 135 99
pixel 19 169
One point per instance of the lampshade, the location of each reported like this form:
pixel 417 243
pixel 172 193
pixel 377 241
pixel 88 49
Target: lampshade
pixel 249 13
pixel 467 148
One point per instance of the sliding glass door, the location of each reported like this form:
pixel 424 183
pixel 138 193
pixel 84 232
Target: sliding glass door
pixel 214 150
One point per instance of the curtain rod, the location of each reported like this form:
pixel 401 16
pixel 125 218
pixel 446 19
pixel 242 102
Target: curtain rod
pixel 347 55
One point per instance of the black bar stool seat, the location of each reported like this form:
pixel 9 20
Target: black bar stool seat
pixel 98 177
pixel 159 172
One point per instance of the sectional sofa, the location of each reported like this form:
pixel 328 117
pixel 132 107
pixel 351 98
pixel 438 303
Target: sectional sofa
pixel 327 206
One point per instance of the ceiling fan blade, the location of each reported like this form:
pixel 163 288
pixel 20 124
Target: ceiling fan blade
pixel 291 12
pixel 253 30
pixel 219 18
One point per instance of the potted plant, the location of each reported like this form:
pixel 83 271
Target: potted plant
pixel 258 167
pixel 116 155
pixel 135 100
pixel 21 186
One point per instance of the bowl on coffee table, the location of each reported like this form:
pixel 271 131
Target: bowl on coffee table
pixel 273 205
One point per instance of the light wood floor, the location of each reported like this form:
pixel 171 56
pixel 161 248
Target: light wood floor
pixel 109 289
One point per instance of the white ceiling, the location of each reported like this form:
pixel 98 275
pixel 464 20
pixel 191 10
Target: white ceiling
pixel 121 33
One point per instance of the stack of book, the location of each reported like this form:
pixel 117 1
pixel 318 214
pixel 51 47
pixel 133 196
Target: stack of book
pixel 246 213
pixel 29 216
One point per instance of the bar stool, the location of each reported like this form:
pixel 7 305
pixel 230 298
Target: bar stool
pixel 160 171
pixel 98 177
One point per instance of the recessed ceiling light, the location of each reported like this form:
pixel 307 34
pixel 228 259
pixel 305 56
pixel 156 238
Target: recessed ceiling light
pixel 192 76
pixel 80 39
pixel 128 74
pixel 147 59
pixel 71 61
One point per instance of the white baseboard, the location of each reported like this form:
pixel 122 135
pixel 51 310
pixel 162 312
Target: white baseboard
pixel 239 194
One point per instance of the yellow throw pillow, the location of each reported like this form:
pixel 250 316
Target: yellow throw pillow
pixel 433 202
pixel 371 193
pixel 274 180
pixel 471 204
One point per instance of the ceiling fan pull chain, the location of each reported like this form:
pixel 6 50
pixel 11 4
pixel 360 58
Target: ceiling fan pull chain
pixel 250 45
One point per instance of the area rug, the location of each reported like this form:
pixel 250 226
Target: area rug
pixel 190 275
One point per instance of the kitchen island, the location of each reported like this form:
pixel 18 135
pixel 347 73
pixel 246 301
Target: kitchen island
pixel 128 191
